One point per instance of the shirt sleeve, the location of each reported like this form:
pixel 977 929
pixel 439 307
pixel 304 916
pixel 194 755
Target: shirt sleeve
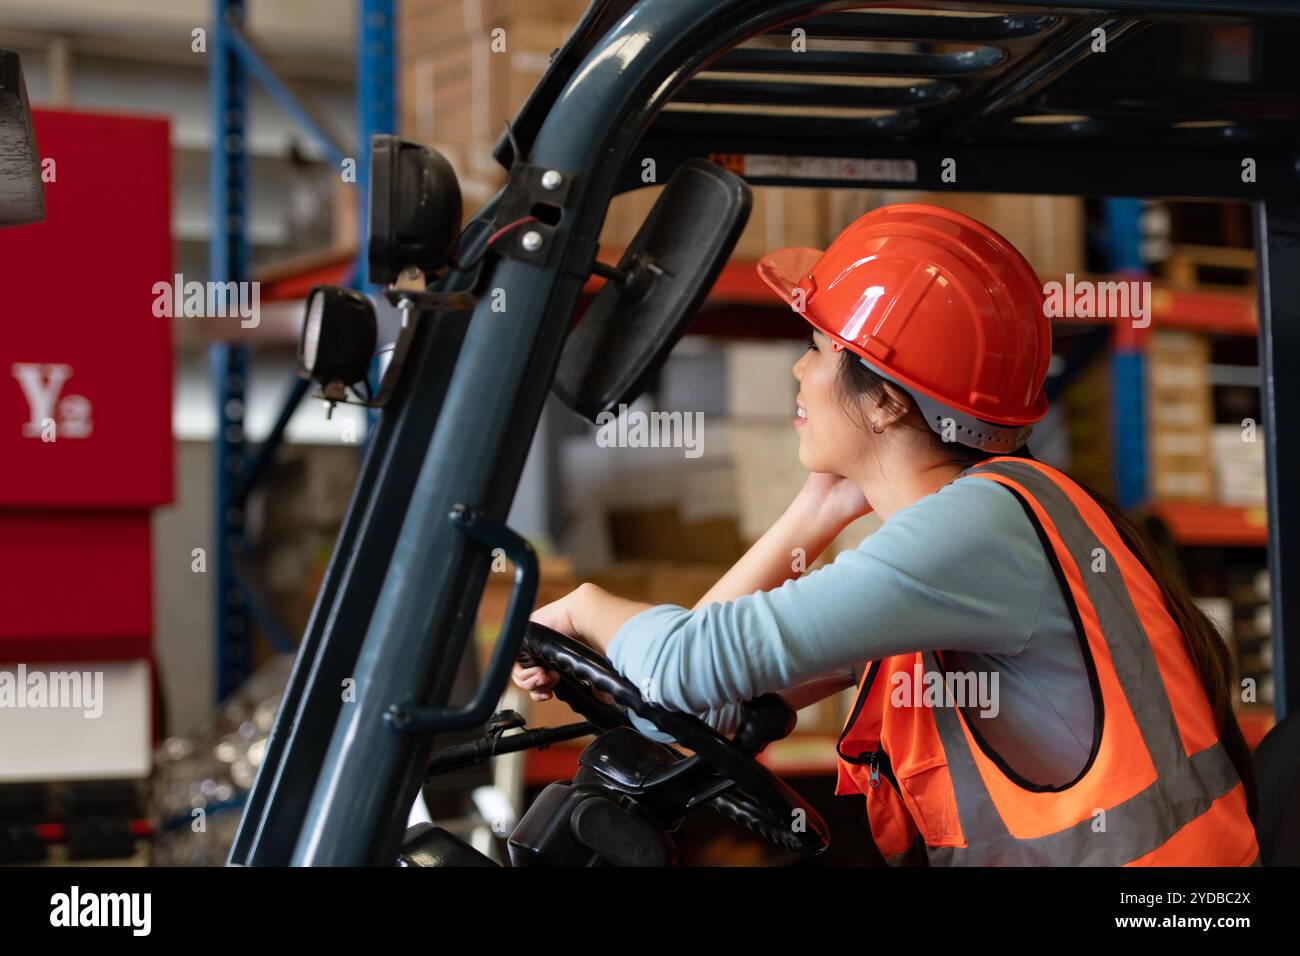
pixel 961 569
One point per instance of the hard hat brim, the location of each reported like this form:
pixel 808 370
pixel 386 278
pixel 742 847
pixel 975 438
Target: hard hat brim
pixel 782 270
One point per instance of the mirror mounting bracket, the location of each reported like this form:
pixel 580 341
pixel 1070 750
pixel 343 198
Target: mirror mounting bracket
pixel 533 195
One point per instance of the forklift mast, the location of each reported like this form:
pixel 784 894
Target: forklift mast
pixel 400 596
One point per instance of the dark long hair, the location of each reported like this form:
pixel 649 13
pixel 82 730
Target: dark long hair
pixel 1207 650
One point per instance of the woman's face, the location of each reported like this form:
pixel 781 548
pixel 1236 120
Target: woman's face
pixel 829 440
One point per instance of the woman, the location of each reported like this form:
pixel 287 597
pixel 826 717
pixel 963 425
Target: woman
pixel 1037 688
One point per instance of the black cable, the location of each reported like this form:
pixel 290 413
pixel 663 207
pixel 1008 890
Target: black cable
pixel 515 157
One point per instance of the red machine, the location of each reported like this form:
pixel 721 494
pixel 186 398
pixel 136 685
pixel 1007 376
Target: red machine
pixel 85 404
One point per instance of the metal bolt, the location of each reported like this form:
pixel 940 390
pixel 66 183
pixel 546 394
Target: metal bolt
pixel 551 179
pixel 532 240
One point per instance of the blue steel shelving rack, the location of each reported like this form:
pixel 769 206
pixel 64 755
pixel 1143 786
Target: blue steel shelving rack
pixel 237 603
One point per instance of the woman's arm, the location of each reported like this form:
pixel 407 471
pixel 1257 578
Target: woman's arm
pixel 596 615
pixel 962 570
pixel 824 507
pixel 818 689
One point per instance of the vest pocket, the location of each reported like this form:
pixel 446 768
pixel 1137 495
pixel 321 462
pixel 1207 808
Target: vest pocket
pixel 891 824
pixel 927 791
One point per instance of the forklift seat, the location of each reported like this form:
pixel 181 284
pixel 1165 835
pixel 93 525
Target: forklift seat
pixel 1277 771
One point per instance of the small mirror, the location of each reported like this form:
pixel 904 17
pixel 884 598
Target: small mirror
pixel 415 209
pixel 634 321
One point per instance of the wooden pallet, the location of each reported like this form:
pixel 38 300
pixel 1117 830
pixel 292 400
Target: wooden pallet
pixel 1182 268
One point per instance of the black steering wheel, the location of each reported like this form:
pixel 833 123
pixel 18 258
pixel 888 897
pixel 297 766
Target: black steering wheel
pixel 748 792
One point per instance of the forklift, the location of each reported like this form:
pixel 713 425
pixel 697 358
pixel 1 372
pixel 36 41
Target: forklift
pixel 1083 98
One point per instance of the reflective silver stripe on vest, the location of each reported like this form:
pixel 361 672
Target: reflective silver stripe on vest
pixel 1184 788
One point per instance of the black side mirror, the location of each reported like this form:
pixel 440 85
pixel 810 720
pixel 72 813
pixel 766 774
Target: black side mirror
pixel 637 318
pixel 22 195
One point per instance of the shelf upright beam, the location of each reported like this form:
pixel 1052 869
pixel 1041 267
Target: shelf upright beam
pixel 376 67
pixel 376 70
pixel 1128 359
pixel 1277 246
pixel 228 262
pixel 234 60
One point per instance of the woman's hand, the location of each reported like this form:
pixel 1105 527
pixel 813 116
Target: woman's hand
pixel 557 616
pixel 586 614
pixel 536 680
pixel 833 498
pixel 824 507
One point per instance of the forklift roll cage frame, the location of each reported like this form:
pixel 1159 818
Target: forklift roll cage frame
pixel 401 593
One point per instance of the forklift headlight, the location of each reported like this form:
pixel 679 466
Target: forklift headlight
pixel 338 336
pixel 415 209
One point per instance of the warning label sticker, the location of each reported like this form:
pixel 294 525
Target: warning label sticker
pixel 761 166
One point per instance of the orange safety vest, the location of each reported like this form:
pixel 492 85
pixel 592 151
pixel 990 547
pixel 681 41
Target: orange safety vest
pixel 1159 788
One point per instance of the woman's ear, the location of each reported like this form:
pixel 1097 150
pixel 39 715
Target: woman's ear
pixel 892 407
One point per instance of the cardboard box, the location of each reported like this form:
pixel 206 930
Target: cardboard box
pixel 660 534
pixel 1230 444
pixel 1176 343
pixel 431 23
pixel 768 473
pixel 1180 416
pixel 783 217
pixel 1242 491
pixel 1239 470
pixel 1178 377
pixel 1087 409
pixel 1180 480
pixel 761 382
pixel 1180 444
pixel 1176 413
pixel 624 217
pixel 462 87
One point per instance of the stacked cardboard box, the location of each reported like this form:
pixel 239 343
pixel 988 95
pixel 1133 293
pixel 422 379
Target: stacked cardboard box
pixel 1086 404
pixel 1238 465
pixel 1179 413
pixel 662 534
pixel 466 66
pixel 1248 589
pixel 784 217
pixel 764 446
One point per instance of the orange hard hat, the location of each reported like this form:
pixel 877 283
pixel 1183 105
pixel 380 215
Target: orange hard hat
pixel 940 305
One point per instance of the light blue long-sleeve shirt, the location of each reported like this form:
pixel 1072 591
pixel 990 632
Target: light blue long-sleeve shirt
pixel 960 571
